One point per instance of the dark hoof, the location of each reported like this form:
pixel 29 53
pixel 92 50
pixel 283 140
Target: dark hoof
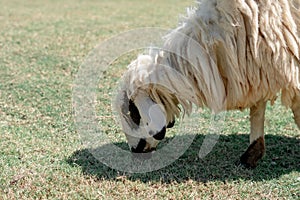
pixel 253 154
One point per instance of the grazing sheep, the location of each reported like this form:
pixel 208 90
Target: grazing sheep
pixel 226 54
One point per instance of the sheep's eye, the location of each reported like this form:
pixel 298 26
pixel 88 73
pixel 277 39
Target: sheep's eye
pixel 134 113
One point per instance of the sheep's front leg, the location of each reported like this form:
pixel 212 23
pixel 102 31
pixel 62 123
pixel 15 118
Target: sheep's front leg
pixel 296 110
pixel 256 149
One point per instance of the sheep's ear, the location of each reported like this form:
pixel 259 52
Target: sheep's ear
pixel 160 135
pixel 171 124
pixel 134 113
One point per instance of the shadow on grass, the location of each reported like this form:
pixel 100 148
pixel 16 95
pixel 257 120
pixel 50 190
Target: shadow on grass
pixel 282 157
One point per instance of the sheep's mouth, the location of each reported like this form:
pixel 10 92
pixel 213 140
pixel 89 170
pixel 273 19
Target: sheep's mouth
pixel 141 147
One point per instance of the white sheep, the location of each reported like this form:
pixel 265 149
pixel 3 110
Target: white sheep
pixel 226 54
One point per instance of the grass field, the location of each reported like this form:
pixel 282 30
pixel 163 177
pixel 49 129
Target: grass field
pixel 42 45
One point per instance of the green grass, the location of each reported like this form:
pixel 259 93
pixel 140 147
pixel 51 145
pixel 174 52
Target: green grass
pixel 42 44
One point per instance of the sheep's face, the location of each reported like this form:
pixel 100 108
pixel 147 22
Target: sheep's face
pixel 143 121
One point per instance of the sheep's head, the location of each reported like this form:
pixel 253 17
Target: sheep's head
pixel 144 120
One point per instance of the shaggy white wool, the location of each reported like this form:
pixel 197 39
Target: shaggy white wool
pixel 227 54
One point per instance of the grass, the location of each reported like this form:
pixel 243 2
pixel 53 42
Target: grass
pixel 42 44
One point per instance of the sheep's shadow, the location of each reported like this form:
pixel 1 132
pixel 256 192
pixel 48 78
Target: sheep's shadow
pixel 282 157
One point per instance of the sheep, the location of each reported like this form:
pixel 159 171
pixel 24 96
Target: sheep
pixel 225 55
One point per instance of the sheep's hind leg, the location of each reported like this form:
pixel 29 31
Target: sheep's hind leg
pixel 296 110
pixel 256 149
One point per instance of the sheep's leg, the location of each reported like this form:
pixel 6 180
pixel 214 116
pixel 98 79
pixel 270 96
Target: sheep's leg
pixel 296 110
pixel 256 149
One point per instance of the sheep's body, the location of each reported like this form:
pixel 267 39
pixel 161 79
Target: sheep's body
pixel 233 54
pixel 252 51
pixel 247 52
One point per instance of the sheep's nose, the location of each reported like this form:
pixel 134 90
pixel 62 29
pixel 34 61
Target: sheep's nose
pixel 140 147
